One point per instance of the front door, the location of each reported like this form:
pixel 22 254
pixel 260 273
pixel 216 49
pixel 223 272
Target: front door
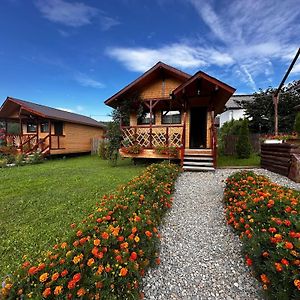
pixel 198 127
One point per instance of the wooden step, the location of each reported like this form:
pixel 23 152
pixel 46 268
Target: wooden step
pixel 201 158
pixel 198 168
pixel 197 152
pixel 198 163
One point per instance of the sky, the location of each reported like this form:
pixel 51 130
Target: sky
pixel 74 54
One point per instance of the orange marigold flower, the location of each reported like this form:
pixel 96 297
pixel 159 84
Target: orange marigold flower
pixel 64 245
pixel 32 270
pixel 99 285
pixel 148 233
pixel 288 245
pixel 97 242
pixel 58 290
pixel 278 267
pixel 157 261
pixel 25 264
pixel 64 273
pixel 137 219
pixel 285 262
pixel 264 278
pixel 100 270
pixel 124 245
pixel 297 283
pixel 77 258
pixel 134 230
pixel 120 238
pixel 71 284
pixel 81 292
pixel 123 272
pixel 46 292
pixel 43 277
pixel 55 276
pixel 79 233
pixel 105 235
pixel 90 262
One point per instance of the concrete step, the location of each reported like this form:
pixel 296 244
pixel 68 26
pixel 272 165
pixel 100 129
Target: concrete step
pixel 198 163
pixel 202 158
pixel 199 169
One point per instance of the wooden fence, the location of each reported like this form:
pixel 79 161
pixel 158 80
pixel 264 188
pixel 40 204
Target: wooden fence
pixel 277 157
pixel 95 144
pixel 230 142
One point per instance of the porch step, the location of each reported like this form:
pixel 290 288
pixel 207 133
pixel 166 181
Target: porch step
pixel 198 160
pixel 197 168
pixel 198 163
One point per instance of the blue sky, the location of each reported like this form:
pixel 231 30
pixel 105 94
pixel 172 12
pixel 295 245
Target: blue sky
pixel 74 54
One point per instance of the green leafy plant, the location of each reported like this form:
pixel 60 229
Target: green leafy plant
pixel 297 123
pixel 266 217
pixel 133 149
pixel 35 158
pixel 243 146
pixel 109 251
pixel 20 160
pixel 171 151
pixel 103 151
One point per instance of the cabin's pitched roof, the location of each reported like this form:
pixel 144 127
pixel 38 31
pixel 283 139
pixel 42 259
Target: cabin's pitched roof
pixel 160 65
pixel 234 101
pixel 50 112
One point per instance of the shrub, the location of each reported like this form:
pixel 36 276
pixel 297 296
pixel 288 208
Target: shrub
pixel 35 158
pixel 103 151
pixel 243 146
pixel 266 216
pixel 6 150
pixel 108 253
pixel 297 123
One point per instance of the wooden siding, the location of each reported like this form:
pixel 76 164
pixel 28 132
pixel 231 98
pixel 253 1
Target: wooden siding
pixel 76 138
pixel 159 88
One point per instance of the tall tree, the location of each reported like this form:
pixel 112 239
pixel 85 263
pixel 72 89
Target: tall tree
pixel 260 112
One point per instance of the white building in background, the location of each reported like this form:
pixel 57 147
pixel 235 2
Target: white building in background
pixel 233 109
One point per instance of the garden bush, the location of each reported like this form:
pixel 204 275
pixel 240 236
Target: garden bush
pixel 243 146
pixel 103 150
pixel 266 216
pixel 109 251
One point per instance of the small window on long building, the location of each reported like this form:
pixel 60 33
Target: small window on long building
pixel 45 127
pixel 31 127
pixel 58 128
pixel 145 119
pixel 171 117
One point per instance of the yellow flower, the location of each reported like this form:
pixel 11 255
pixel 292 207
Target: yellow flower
pixel 90 262
pixel 77 258
pixel 43 277
pixel 58 290
pixel 137 239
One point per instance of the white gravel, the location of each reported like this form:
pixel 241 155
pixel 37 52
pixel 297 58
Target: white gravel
pixel 200 255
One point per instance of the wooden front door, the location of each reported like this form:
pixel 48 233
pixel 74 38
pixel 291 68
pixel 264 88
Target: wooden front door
pixel 198 124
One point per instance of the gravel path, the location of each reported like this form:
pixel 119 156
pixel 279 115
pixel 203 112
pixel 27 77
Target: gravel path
pixel 200 255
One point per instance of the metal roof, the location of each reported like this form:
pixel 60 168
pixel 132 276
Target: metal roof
pixel 234 101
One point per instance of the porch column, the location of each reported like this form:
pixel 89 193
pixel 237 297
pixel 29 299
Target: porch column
pixel 49 126
pixel 5 135
pixel 151 113
pixel 21 131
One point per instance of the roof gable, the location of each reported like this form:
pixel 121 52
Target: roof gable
pixel 147 77
pixel 48 112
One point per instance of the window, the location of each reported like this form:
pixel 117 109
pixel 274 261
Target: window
pixel 45 127
pixel 58 128
pixel 145 119
pixel 171 117
pixel 31 127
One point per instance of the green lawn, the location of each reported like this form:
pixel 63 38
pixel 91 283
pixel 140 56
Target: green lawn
pixel 39 202
pixel 230 161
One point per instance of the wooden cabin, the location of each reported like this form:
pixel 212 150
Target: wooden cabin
pixel 171 115
pixel 49 130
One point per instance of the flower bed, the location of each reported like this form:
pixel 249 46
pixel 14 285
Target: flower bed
pixel 266 216
pixel 108 252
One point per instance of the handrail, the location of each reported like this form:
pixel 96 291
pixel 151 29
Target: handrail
pixel 183 140
pixel 153 126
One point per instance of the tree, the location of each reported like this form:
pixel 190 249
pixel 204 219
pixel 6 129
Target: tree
pixel 297 123
pixel 243 146
pixel 260 112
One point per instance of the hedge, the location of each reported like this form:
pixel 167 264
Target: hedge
pixel 109 252
pixel 266 216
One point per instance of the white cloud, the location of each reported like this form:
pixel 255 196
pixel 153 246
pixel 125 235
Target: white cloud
pixel 296 69
pixel 178 55
pixel 65 109
pixel 73 14
pixel 86 81
pixel 108 22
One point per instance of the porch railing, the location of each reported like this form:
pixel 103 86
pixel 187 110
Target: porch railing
pixel 154 136
pixel 23 142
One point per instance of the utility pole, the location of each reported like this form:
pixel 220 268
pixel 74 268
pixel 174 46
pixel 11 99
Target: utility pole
pixel 276 94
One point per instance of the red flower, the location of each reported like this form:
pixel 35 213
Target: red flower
pixel 105 235
pixel 249 262
pixel 71 284
pixel 46 292
pixel 123 272
pixel 278 267
pixel 77 277
pixel 64 273
pixel 133 256
pixel 288 245
pixel 272 230
pixel 148 233
pixel 285 262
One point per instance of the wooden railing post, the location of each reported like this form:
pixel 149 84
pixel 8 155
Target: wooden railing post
pixel 167 136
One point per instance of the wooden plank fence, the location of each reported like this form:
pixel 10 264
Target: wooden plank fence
pixel 277 157
pixel 230 142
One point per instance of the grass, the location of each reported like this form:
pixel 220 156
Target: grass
pixel 39 202
pixel 233 161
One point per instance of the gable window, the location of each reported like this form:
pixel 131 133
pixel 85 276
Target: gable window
pixel 145 119
pixel 171 117
pixel 58 128
pixel 45 127
pixel 31 127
